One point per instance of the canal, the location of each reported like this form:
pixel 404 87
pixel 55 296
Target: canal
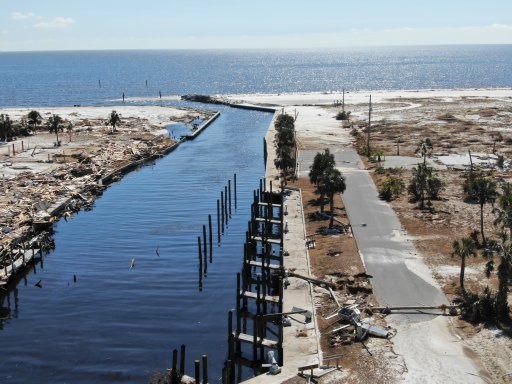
pixel 120 324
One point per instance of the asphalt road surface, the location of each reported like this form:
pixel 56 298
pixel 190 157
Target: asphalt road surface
pixel 398 278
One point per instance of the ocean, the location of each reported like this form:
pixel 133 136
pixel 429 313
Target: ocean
pixel 69 78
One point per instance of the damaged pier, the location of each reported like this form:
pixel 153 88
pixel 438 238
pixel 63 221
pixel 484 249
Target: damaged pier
pixel 256 340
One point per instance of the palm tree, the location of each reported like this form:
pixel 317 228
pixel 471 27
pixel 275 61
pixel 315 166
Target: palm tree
pixel 481 190
pixel 332 182
pixel 503 249
pixel 69 129
pixel 463 248
pixel 34 118
pixel 114 120
pixel 284 161
pixel 425 148
pixel 285 137
pixel 321 163
pixel 503 213
pixel 54 125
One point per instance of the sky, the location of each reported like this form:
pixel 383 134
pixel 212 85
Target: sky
pixel 44 25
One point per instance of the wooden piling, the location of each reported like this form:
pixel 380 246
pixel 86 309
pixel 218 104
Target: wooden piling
pixel 226 202
pixel 205 369
pixel 197 371
pixel 210 238
pixel 200 264
pixel 234 187
pixel 205 244
pixel 258 295
pixel 255 339
pixel 182 360
pixel 238 290
pixel 174 373
pixel 229 192
pixel 218 221
pixel 222 208
pixel 261 323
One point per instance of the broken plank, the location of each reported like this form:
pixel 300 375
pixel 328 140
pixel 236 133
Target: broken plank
pixel 243 337
pixel 264 265
pixel 274 241
pixel 253 295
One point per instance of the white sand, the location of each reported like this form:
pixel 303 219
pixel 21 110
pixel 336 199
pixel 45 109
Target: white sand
pixel 356 97
pixel 152 114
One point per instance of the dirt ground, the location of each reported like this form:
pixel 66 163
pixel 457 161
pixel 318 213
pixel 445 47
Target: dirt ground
pixel 335 258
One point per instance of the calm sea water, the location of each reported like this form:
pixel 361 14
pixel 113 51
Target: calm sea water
pixel 117 324
pixel 57 78
pixel 120 324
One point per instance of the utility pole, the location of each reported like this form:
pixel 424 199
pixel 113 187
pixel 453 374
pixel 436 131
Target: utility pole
pixel 368 148
pixel 343 101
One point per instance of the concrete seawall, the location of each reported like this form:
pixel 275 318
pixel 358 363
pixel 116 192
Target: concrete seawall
pixel 253 107
pixel 198 131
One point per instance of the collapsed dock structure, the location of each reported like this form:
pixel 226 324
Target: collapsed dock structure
pixel 256 340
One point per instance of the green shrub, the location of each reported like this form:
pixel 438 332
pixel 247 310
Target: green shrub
pixel 478 308
pixel 391 189
pixel 343 115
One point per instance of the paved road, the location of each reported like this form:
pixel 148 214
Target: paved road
pixel 399 276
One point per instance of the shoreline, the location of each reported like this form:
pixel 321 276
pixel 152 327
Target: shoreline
pixel 31 228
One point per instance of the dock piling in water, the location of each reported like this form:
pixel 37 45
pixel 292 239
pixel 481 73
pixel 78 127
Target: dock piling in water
pixel 174 373
pixel 234 187
pixel 205 244
pixel 210 238
pixel 226 202
pixel 197 371
pixel 205 369
pixel 182 360
pixel 222 208
pixel 229 191
pixel 218 221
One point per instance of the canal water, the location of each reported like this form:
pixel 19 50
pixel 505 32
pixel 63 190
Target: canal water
pixel 120 324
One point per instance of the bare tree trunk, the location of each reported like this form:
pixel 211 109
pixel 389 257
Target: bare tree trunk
pixel 462 270
pixel 322 198
pixel 482 223
pixel 331 203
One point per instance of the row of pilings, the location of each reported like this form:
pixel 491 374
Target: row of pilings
pixel 228 199
pixel 255 341
pixel 255 329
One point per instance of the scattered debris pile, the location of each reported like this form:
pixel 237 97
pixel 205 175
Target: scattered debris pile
pixel 350 326
pixel 31 202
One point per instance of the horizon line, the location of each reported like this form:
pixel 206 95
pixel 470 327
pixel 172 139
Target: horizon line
pixel 259 49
